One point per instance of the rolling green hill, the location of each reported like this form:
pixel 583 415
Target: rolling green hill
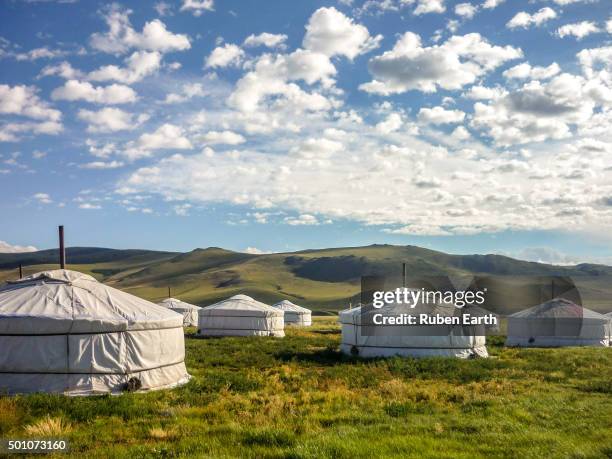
pixel 325 279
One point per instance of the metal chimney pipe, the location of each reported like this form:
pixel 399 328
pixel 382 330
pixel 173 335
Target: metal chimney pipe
pixel 169 296
pixel 62 249
pixel 404 275
pixel 20 271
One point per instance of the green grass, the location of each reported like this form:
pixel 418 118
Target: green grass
pixel 297 397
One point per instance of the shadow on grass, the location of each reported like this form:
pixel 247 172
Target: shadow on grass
pixel 329 357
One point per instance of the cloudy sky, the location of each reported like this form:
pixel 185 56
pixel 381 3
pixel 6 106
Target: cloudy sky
pixel 470 127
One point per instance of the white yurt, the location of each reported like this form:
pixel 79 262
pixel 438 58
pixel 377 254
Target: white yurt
pixel 188 311
pixel 64 332
pixel 294 314
pixel 361 338
pixel 556 323
pixel 241 315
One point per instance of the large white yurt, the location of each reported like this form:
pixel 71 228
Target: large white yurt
pixel 556 323
pixel 361 338
pixel 64 332
pixel 188 311
pixel 241 315
pixel 294 314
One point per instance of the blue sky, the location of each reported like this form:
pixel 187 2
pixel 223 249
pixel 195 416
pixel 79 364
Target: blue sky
pixel 478 126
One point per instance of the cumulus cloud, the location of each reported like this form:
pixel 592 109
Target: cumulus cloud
pixel 43 198
pixel 429 6
pixel 269 40
pixel 440 115
pixel 302 220
pixel 222 137
pixel 110 119
pixel 82 90
pixel 101 165
pixel 272 74
pixel 490 4
pixel 121 37
pixel 391 124
pixel 228 55
pixel 188 91
pixel 331 33
pixel 198 7
pixel 460 61
pixel 139 65
pixel 167 136
pixel 5 247
pixel 525 71
pixel 466 10
pixel 63 69
pixel 579 30
pixel 537 111
pixel 525 20
pixel 24 101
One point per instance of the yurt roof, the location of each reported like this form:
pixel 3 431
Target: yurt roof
pixel 241 305
pixel 558 308
pixel 173 303
pixel 287 305
pixel 64 301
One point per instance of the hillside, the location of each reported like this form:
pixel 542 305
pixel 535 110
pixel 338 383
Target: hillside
pixel 324 279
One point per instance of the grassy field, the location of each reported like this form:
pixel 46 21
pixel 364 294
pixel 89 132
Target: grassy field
pixel 297 397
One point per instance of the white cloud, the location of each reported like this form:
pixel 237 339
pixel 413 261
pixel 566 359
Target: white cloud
pixel 121 37
pixel 525 71
pixel 269 40
pixel 332 33
pixel 100 165
pixel 228 55
pixel 460 61
pixel 578 29
pixel 270 77
pixel 167 136
pixel 5 247
pixel 223 137
pixel 392 123
pixel 490 4
pixel 537 111
pixel 429 6
pixel 38 53
pixel 466 10
pixel 302 220
pixel 484 93
pixel 255 251
pixel 89 206
pixel 110 119
pixel 526 20
pixel 63 69
pixel 82 90
pixel 439 115
pixel 23 101
pixel 43 198
pixel 609 26
pixel 188 91
pixel 197 7
pixel 139 65
pixel 460 133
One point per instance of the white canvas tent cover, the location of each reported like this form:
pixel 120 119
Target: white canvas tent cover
pixel 241 315
pixel 294 314
pixel 188 311
pixel 558 322
pixel 408 340
pixel 64 332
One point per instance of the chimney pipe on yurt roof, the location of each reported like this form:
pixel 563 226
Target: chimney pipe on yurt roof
pixel 62 249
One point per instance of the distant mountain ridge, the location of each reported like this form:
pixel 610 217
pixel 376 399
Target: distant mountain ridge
pixel 321 278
